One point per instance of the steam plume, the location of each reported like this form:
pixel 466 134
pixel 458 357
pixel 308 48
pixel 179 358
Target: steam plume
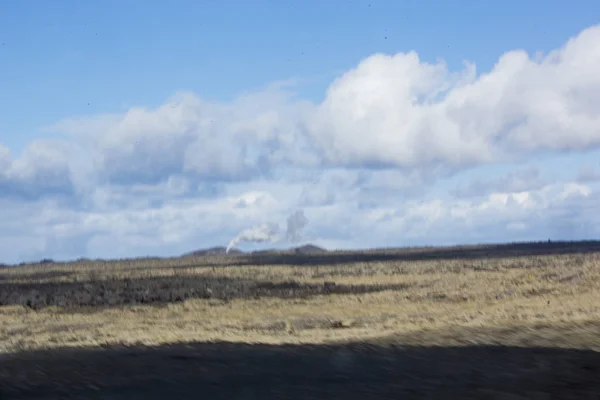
pixel 256 234
pixel 270 232
pixel 295 223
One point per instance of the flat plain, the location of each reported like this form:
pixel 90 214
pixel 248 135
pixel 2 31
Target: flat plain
pixel 478 321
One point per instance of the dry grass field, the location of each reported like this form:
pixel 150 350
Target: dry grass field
pixel 535 296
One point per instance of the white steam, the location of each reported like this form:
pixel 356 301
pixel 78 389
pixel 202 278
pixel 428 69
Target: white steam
pixel 295 223
pixel 256 234
pixel 271 232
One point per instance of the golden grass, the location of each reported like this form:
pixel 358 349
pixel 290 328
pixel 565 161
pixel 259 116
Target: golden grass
pixel 551 300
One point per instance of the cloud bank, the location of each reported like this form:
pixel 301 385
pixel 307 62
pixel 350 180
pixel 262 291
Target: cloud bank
pixel 387 158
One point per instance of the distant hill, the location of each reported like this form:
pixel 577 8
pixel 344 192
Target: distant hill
pixel 221 250
pixel 309 249
pixel 266 251
pixel 306 249
pixel 213 251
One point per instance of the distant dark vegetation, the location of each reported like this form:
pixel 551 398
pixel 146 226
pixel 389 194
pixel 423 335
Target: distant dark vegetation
pixel 314 255
pixel 221 250
pixel 213 251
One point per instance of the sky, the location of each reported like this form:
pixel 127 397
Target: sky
pixel 141 128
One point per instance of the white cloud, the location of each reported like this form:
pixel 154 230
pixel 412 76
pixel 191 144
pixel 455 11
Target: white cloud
pixel 188 135
pixel 588 173
pixel 52 229
pixel 574 190
pixel 396 109
pixel 518 180
pixel 392 110
pixel 375 163
pixel 44 168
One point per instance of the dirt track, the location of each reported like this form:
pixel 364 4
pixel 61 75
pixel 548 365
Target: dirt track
pixel 355 371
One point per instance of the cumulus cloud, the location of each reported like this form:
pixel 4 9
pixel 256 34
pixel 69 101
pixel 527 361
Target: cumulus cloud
pixel 43 169
pixel 53 229
pixel 389 111
pixel 380 161
pixel 588 173
pixel 399 110
pixel 539 213
pixel 236 141
pixel 515 181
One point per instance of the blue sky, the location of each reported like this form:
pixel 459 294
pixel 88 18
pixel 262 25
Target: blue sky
pixel 64 55
pixel 123 118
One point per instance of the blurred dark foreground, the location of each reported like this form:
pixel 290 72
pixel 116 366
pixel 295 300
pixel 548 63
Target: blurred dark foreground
pixel 351 371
